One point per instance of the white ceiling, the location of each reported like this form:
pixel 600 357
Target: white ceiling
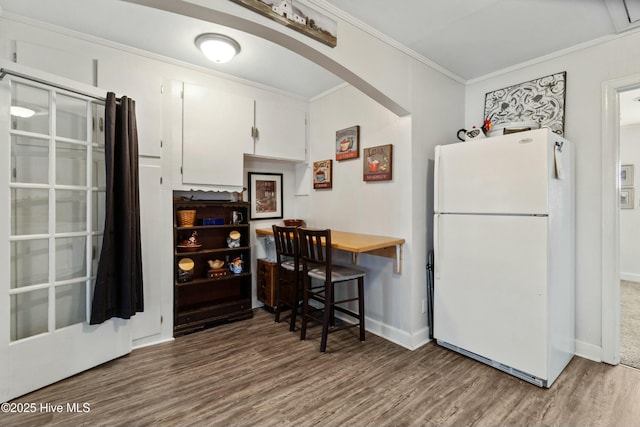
pixel 472 38
pixel 469 38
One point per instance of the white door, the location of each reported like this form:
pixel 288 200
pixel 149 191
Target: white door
pixel 506 174
pixel 51 226
pixel 490 287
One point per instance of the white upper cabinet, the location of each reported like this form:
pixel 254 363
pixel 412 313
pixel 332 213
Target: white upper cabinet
pixel 74 66
pixel 281 130
pixel 139 82
pixel 216 131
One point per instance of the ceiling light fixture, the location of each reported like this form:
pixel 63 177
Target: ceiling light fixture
pixel 21 111
pixel 217 47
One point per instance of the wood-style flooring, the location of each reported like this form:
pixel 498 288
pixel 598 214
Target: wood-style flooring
pixel 257 373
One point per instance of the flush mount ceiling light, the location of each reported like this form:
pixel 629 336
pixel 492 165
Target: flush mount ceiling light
pixel 217 47
pixel 21 111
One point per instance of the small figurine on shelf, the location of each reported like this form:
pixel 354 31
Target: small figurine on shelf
pixel 486 126
pixel 236 265
pixel 217 269
pixel 191 244
pixel 233 241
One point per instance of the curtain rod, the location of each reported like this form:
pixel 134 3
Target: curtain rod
pixel 4 72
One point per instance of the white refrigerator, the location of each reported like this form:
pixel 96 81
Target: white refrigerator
pixel 504 244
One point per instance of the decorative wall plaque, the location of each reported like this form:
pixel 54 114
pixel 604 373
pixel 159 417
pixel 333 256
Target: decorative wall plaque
pixel 540 100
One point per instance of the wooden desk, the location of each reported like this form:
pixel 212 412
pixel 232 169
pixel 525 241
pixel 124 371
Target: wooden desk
pixel 356 243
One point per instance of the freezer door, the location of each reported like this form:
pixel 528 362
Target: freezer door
pixel 506 174
pixel 490 288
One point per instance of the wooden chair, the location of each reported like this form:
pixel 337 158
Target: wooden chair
pixel 315 254
pixel 288 272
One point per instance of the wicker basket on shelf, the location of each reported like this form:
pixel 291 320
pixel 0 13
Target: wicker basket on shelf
pixel 186 217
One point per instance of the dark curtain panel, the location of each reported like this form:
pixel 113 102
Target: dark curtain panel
pixel 118 288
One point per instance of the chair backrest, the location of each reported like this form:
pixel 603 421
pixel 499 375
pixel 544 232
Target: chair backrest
pixel 286 239
pixel 315 247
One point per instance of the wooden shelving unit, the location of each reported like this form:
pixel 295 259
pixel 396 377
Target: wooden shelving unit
pixel 202 301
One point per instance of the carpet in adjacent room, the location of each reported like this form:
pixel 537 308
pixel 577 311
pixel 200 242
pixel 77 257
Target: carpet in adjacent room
pixel 630 324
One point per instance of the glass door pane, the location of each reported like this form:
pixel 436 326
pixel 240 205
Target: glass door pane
pixel 29 263
pixel 71 211
pixel 71 164
pixel 29 211
pixel 71 304
pixel 71 258
pixel 33 109
pixel 29 160
pixel 71 117
pixel 29 314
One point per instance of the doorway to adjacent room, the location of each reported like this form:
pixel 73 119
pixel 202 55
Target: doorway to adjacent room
pixel 629 215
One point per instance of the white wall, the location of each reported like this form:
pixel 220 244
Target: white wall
pixel 399 208
pixel 630 218
pixel 381 208
pixel 586 70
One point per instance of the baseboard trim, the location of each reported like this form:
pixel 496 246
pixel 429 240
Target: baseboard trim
pixel 589 351
pixel 390 333
pixel 398 336
pixel 147 341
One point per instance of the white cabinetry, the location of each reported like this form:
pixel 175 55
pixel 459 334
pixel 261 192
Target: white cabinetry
pixel 74 66
pixel 135 79
pixel 216 130
pixel 219 127
pixel 281 130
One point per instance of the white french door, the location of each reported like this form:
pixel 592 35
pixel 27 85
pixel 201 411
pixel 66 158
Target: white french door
pixel 52 182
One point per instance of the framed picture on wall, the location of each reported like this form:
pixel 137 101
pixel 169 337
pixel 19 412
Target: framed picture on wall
pixel 377 163
pixel 626 175
pixel 323 174
pixel 348 143
pixel 265 195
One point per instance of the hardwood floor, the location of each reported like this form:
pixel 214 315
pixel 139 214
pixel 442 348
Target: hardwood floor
pixel 257 373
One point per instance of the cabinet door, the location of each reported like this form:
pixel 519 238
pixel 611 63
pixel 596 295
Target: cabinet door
pixel 147 323
pixel 73 66
pixel 216 128
pixel 282 130
pixel 136 79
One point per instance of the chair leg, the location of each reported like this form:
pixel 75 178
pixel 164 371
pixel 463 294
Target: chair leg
pixel 294 302
pixel 305 309
pixel 361 306
pixel 277 296
pixel 327 314
pixel 332 318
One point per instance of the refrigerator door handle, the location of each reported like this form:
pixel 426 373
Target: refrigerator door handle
pixel 436 244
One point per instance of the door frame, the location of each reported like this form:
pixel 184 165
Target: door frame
pixel 611 310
